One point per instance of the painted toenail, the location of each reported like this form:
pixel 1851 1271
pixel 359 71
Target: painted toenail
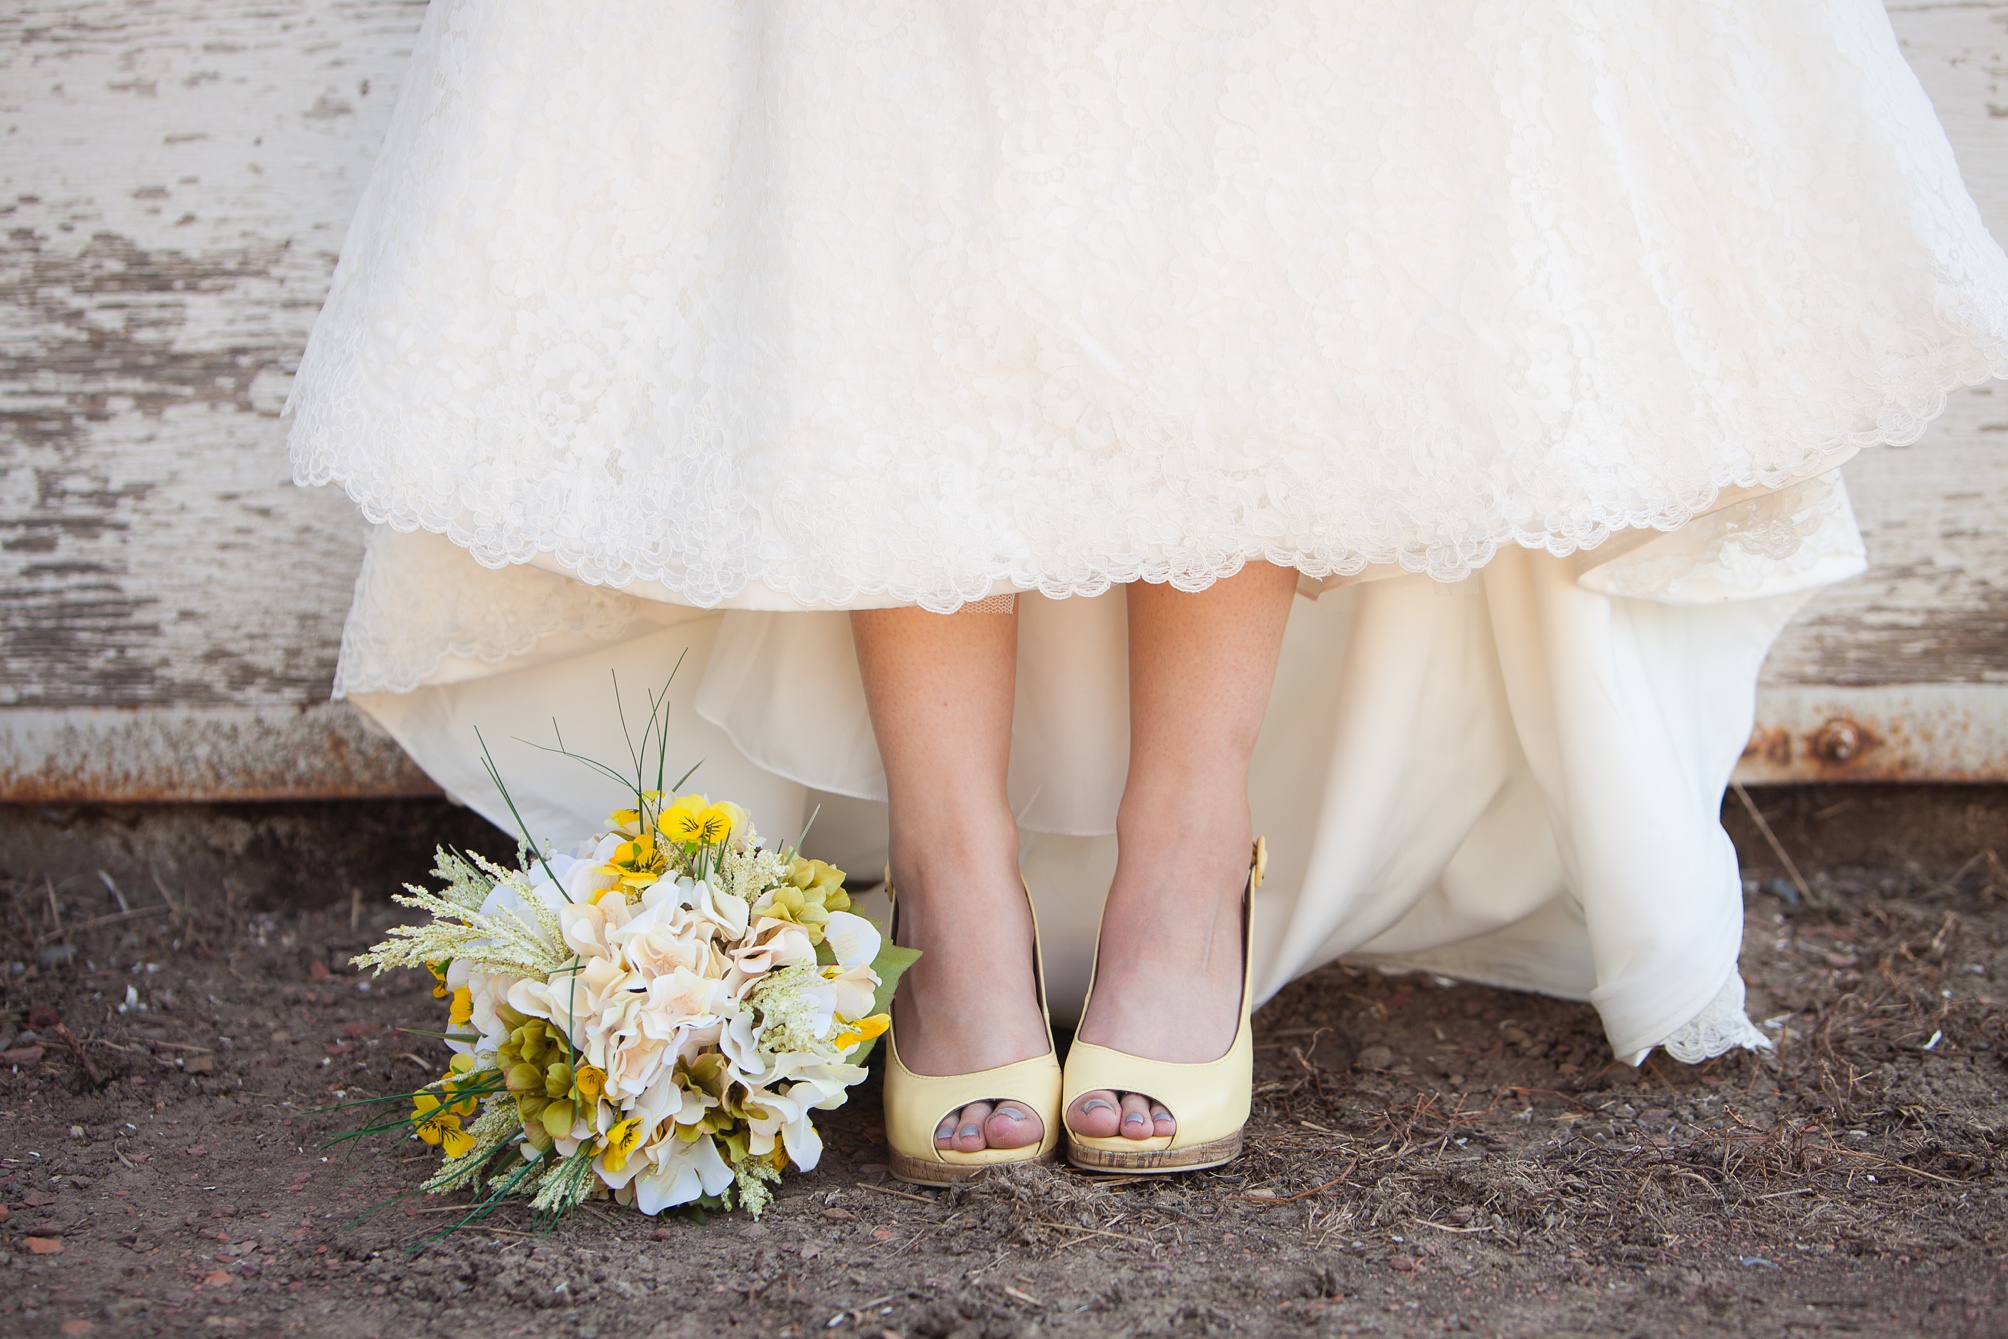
pixel 970 1131
pixel 1096 1103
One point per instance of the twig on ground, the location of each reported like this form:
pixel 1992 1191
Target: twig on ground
pixel 1092 1232
pixel 111 918
pixel 1446 1227
pixel 888 1190
pixel 1302 1194
pixel 1771 839
pixel 76 1049
pixel 113 889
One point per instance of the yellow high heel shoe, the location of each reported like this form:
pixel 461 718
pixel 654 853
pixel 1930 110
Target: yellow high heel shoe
pixel 1209 1100
pixel 915 1104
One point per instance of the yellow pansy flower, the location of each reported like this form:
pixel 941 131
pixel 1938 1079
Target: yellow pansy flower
pixel 466 1083
pixel 463 1007
pixel 622 1140
pixel 589 1081
pixel 695 820
pixel 632 821
pixel 438 970
pixel 445 1133
pixel 439 1127
pixel 635 864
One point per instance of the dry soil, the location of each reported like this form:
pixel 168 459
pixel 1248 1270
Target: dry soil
pixel 1426 1157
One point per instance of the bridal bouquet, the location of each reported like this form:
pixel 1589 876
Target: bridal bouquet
pixel 654 1018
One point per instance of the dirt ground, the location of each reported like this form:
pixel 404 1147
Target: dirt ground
pixel 1425 1158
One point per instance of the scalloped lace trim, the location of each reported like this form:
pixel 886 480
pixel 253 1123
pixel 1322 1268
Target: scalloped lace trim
pixel 415 607
pixel 1794 539
pixel 939 583
pixel 1722 1026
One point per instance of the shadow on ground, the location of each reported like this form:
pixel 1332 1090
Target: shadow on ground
pixel 1426 1158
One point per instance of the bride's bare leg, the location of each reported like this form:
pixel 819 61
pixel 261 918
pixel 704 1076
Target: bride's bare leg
pixel 940 687
pixel 1168 979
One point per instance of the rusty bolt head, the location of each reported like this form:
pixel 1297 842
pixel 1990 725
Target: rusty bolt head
pixel 1839 740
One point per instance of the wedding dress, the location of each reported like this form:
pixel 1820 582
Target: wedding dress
pixel 1531 335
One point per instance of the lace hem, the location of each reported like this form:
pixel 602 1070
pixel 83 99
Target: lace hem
pixel 415 609
pixel 1722 1026
pixel 497 542
pixel 1794 539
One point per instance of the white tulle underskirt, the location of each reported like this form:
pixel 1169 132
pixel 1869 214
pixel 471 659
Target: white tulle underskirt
pixel 1513 780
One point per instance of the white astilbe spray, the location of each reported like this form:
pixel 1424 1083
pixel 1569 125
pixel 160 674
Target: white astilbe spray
pixel 746 871
pixel 567 1185
pixel 789 1019
pixel 751 1180
pixel 503 940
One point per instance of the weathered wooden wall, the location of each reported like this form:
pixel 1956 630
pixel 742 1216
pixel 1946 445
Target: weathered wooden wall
pixel 174 181
pixel 1903 674
pixel 175 176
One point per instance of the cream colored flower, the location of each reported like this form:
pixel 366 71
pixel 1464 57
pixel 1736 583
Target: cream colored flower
pixel 488 992
pixel 854 940
pixel 724 913
pixel 678 1171
pixel 661 936
pixel 771 945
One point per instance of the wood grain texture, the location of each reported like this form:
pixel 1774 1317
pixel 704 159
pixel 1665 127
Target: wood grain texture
pixel 1934 606
pixel 174 184
pixel 175 176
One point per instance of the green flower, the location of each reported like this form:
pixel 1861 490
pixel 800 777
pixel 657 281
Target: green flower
pixel 808 893
pixel 823 882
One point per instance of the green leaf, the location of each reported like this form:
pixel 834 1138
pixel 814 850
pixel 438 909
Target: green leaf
pixel 890 965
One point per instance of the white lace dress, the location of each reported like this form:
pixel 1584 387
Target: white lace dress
pixel 654 310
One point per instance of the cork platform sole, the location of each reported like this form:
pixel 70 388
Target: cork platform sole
pixel 1144 1162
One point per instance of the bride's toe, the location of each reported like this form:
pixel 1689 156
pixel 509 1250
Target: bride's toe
pixel 1144 1118
pixel 1013 1125
pixel 969 1125
pixel 1098 1115
pixel 1136 1122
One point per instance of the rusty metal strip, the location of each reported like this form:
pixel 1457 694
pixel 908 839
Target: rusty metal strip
pixel 131 755
pixel 1896 732
pixel 1883 732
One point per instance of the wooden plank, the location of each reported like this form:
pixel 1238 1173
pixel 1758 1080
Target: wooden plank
pixel 1934 606
pixel 175 183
